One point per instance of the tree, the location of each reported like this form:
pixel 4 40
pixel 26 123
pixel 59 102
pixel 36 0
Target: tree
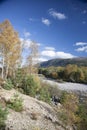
pixel 82 113
pixel 9 49
pixel 70 102
pixel 54 75
pixel 32 59
pixel 69 69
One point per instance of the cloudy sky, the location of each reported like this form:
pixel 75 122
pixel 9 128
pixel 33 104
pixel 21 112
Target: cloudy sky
pixel 58 26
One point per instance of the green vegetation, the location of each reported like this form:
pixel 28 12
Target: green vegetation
pixel 19 77
pixel 73 112
pixel 70 73
pixel 44 93
pixel 30 86
pixel 16 103
pixel 70 103
pixel 8 84
pixel 82 113
pixel 3 117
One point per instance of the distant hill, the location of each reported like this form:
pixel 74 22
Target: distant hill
pixel 81 61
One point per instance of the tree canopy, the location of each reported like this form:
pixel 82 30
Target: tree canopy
pixel 9 48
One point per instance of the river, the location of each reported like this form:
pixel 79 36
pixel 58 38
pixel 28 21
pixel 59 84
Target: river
pixel 79 89
pixel 68 86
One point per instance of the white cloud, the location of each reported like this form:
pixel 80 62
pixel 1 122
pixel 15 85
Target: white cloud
pixel 48 53
pixel 46 21
pixel 81 49
pixel 25 43
pixel 50 48
pixel 26 34
pixel 56 14
pixel 56 54
pixel 64 55
pixel 39 44
pixel 42 59
pixel 80 43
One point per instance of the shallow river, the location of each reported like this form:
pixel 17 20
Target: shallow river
pixel 68 85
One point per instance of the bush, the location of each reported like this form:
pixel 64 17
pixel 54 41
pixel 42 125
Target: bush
pixel 16 103
pixel 3 117
pixel 70 104
pixel 62 115
pixel 30 86
pixel 54 91
pixel 44 93
pixel 19 77
pixel 63 97
pixel 8 84
pixel 82 113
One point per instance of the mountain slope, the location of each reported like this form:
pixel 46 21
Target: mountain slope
pixel 81 61
pixel 36 115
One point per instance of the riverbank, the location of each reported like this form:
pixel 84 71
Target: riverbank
pixel 68 86
pixel 78 89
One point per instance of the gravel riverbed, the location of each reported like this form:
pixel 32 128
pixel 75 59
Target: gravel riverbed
pixel 68 86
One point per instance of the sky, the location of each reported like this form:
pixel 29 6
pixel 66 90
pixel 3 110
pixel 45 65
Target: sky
pixel 59 27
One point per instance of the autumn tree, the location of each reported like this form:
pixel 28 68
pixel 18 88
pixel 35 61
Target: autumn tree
pixel 70 103
pixel 32 59
pixel 9 49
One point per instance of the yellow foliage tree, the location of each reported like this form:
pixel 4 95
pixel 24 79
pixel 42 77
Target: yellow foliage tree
pixel 9 48
pixel 32 58
pixel 70 103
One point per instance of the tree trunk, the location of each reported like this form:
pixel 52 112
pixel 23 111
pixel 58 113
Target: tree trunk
pixel 3 68
pixel 3 62
pixel 6 74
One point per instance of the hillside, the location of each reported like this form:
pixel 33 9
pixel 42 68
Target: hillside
pixel 36 115
pixel 81 61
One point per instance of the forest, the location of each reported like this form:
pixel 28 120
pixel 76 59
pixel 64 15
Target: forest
pixel 69 73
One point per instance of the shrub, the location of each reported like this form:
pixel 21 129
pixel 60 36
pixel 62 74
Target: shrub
pixel 54 91
pixel 63 97
pixel 16 103
pixel 30 86
pixel 18 78
pixel 82 113
pixel 8 84
pixel 70 103
pixel 62 115
pixel 44 93
pixel 3 117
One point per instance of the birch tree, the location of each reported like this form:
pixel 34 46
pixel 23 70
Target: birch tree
pixel 9 48
pixel 32 58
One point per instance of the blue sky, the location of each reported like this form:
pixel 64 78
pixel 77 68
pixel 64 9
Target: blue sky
pixel 58 26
